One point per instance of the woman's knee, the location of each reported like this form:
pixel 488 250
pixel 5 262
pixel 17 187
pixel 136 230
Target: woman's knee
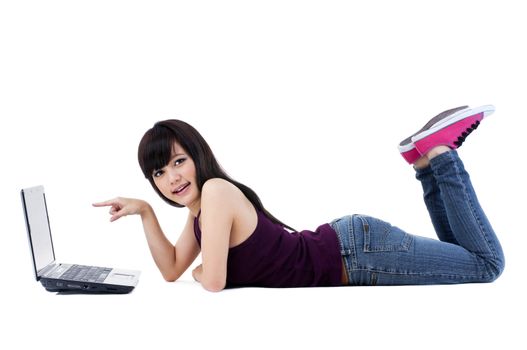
pixel 494 268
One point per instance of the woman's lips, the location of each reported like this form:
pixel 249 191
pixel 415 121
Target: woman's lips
pixel 182 190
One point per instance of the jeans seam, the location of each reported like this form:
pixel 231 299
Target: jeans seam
pixel 482 232
pixel 352 247
pixel 423 274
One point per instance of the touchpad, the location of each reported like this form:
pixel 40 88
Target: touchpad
pixel 122 276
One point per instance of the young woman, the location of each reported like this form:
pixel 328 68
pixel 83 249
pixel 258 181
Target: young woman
pixel 242 244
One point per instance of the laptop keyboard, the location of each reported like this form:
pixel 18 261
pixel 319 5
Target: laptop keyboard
pixel 86 273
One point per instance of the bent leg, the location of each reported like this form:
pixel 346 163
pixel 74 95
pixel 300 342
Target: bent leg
pixel 434 204
pixel 469 224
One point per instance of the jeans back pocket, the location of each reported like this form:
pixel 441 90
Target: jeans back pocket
pixel 380 236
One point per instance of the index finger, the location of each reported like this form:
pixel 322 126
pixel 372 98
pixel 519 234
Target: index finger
pixel 105 203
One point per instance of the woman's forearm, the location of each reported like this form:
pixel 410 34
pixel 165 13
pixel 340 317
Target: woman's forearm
pixel 162 250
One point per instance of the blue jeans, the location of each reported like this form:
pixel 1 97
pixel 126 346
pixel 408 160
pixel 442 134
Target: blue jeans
pixel 377 253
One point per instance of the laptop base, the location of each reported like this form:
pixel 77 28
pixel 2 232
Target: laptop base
pixel 58 285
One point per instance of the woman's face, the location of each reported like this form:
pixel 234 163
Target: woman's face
pixel 177 179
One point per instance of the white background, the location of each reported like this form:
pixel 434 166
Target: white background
pixel 305 102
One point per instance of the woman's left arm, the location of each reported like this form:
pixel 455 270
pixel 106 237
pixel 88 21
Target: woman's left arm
pixel 218 203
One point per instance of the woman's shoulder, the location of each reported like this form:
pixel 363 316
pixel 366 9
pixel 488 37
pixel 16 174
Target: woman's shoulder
pixel 218 184
pixel 221 189
pixel 222 193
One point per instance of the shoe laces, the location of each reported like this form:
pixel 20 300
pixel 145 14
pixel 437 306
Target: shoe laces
pixel 465 133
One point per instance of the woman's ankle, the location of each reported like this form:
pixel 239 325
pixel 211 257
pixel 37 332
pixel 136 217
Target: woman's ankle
pixel 422 163
pixel 434 152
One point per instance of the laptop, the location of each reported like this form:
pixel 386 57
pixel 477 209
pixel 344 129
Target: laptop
pixel 58 277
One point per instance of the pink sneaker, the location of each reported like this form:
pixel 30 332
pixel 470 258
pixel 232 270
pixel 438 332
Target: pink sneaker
pixel 451 132
pixel 407 147
pixel 449 128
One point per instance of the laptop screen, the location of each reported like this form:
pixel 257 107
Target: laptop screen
pixel 38 229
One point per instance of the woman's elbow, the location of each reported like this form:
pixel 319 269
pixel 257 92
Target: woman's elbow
pixel 170 276
pixel 213 286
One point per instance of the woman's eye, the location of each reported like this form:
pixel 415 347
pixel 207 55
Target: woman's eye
pixel 179 161
pixel 158 173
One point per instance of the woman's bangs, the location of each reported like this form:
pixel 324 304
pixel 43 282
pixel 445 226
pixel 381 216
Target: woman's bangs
pixel 157 150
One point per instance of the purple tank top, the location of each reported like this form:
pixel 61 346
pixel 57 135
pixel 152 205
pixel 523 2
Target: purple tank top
pixel 274 257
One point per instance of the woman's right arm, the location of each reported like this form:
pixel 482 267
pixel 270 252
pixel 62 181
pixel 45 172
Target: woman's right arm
pixel 172 260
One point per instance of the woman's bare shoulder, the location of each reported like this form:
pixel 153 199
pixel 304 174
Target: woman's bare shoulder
pixel 225 194
pixel 220 187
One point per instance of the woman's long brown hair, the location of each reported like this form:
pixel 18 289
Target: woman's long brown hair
pixel 155 151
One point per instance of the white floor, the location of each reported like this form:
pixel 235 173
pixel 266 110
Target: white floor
pixel 182 314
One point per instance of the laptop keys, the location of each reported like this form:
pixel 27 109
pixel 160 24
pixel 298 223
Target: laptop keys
pixel 86 273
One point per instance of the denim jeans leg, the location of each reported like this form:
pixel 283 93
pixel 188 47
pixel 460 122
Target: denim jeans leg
pixel 470 226
pixel 434 204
